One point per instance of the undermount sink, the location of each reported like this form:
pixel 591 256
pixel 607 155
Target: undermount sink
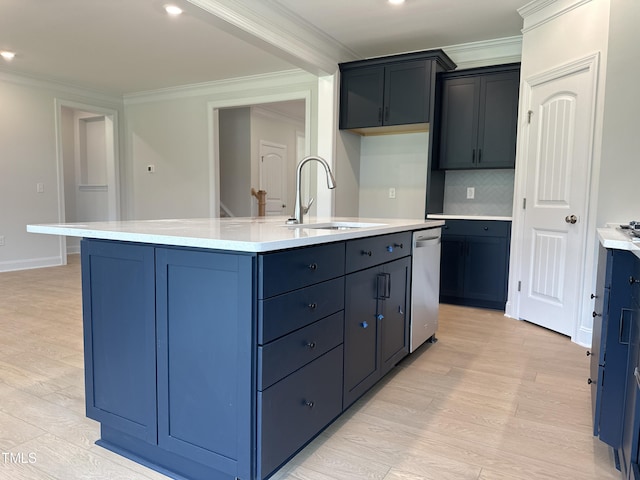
pixel 336 225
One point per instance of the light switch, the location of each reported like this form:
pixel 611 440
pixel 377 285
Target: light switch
pixel 40 187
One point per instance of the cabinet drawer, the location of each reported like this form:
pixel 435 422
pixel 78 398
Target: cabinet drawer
pixel 287 354
pixel 280 315
pixel 489 228
pixel 284 271
pixel 367 252
pixel 294 410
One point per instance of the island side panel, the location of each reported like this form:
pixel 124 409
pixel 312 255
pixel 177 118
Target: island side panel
pixel 206 335
pixel 118 288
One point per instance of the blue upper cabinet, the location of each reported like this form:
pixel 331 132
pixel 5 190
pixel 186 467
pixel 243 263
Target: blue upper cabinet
pixel 390 91
pixel 478 119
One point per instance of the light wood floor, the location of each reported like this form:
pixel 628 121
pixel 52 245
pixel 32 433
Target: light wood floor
pixel 493 399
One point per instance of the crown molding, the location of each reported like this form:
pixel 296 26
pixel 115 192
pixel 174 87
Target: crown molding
pixel 263 82
pixel 540 12
pixel 57 87
pixel 270 26
pixel 487 52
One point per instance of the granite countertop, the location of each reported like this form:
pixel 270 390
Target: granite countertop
pixel 446 216
pixel 615 238
pixel 245 234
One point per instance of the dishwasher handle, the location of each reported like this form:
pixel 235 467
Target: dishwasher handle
pixel 425 242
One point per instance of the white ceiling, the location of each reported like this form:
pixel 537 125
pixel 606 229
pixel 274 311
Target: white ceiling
pixel 125 46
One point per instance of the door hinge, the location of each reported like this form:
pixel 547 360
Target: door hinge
pixel 524 203
pixel 529 115
pixel 519 285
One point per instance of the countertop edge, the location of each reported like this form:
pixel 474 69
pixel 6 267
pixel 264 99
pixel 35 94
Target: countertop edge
pixel 614 239
pixel 446 216
pixel 230 244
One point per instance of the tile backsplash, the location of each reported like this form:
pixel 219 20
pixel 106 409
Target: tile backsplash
pixel 493 192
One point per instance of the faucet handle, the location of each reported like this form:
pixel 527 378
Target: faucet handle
pixel 305 208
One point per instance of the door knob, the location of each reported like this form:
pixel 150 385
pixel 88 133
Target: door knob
pixel 571 219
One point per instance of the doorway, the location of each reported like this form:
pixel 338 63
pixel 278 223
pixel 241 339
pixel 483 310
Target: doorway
pixel 237 130
pixel 88 180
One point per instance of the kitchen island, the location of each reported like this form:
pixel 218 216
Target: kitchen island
pixel 218 348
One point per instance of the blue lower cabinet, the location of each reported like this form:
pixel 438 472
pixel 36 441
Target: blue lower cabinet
pixel 294 410
pixel 202 368
pixel 376 335
pixel 119 336
pixel 205 340
pixel 474 265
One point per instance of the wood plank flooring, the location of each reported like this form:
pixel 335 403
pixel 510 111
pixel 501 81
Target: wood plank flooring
pixel 493 399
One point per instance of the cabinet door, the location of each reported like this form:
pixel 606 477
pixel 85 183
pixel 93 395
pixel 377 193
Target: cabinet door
pixel 459 123
pixel 393 331
pixel 485 269
pixel 452 266
pixel 498 119
pixel 361 93
pixel 617 318
pixel 361 367
pixel 407 93
pixel 631 417
pixel 206 323
pixel 119 336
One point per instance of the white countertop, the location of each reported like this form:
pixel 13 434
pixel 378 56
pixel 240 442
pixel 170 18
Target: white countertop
pixel 259 234
pixel 616 239
pixel 446 216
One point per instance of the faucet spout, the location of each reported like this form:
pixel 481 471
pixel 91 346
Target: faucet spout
pixel 298 210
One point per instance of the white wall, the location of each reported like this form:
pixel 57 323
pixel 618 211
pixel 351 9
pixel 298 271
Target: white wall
pixel 393 161
pixel 171 129
pixel 27 157
pixel 235 160
pixel 620 167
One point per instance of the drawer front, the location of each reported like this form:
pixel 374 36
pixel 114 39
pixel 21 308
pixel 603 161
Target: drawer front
pixel 294 410
pixel 283 314
pixel 367 252
pixel 292 269
pixel 489 228
pixel 287 354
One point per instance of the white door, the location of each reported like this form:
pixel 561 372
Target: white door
pixel 558 159
pixel 273 176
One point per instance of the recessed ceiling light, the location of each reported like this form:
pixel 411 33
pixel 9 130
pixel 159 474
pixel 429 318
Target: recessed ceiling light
pixel 7 55
pixel 172 10
pixel 396 2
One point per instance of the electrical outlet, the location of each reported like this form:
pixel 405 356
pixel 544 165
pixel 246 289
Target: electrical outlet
pixel 392 192
pixel 471 193
pixel 151 168
pixel 1 240
pixel 40 187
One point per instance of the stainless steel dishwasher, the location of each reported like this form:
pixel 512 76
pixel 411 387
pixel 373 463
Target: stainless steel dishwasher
pixel 425 286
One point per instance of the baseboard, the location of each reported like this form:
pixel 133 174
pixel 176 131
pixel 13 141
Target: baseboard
pixel 583 337
pixel 30 263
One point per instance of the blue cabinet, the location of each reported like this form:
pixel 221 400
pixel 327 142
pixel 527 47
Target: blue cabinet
pixel 120 337
pixel 376 323
pixel 474 263
pixel 390 91
pixel 222 365
pixel 205 379
pixel 615 357
pixel 611 328
pixel 479 118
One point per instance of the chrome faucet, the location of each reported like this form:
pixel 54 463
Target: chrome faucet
pixel 299 210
